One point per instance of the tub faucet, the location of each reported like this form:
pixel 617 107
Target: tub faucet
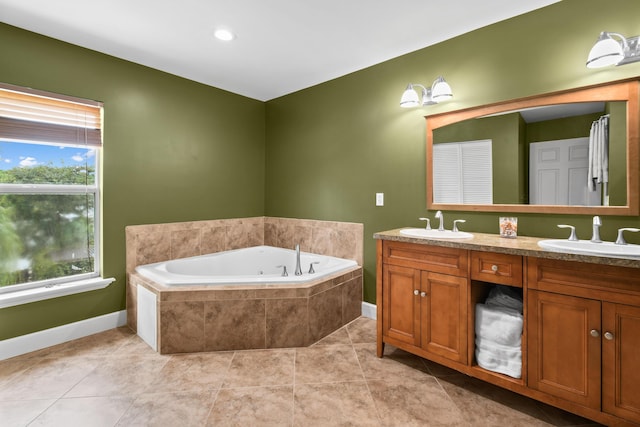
pixel 595 237
pixel 441 218
pixel 298 271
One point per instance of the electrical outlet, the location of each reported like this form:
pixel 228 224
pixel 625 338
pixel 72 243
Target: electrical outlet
pixel 379 199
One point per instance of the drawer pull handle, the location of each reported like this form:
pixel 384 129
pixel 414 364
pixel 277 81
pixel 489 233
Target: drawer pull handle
pixel 608 336
pixel 494 268
pixel 423 294
pixel 595 333
pixel 416 292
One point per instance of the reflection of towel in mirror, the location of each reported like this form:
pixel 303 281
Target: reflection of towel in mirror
pixel 598 171
pixel 498 325
pixel 499 358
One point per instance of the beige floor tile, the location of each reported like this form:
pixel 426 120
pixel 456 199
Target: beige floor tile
pixel 21 413
pixel 261 368
pixel 84 411
pixel 192 372
pixel 488 405
pixel 101 344
pixel 11 368
pixel 362 330
pixel 339 337
pixel 48 378
pixel 334 404
pixel 325 364
pixel 169 409
pixel 395 363
pixel 408 402
pixel 121 376
pixel 253 406
pixel 134 346
pixel 337 381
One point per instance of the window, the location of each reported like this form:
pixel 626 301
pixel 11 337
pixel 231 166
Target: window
pixel 49 190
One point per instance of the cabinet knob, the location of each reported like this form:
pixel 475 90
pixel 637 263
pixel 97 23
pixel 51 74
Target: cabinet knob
pixel 416 292
pixel 494 268
pixel 608 336
pixel 595 333
pixel 423 294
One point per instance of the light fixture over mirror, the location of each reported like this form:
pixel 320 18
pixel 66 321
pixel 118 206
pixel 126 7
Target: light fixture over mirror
pixel 609 51
pixel 439 91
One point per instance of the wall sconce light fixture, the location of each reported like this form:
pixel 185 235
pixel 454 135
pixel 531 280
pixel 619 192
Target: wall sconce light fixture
pixel 438 92
pixel 608 51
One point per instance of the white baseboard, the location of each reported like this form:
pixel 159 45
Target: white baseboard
pixel 369 310
pixel 31 342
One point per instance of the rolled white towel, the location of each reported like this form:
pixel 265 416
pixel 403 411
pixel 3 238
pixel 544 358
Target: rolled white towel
pixel 499 324
pixel 498 358
pixel 505 296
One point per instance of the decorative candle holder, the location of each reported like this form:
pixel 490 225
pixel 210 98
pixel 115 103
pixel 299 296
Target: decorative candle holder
pixel 508 227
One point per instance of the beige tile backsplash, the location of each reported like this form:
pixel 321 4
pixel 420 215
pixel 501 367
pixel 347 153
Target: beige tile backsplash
pixel 151 243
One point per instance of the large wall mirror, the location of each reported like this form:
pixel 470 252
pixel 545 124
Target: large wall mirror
pixel 572 152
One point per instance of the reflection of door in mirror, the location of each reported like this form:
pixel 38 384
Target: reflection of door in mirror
pixel 558 173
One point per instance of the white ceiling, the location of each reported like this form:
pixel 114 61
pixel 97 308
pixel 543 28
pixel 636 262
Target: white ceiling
pixel 281 46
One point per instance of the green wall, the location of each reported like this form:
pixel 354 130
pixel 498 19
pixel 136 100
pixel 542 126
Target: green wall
pixel 176 150
pixel 331 147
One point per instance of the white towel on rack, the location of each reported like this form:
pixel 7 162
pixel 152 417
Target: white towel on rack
pixel 598 172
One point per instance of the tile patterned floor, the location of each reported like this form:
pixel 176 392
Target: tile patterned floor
pixel 114 379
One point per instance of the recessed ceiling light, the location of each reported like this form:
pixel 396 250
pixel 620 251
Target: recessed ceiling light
pixel 224 35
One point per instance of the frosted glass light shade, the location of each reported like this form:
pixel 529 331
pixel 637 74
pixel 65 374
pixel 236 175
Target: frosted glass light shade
pixel 441 91
pixel 605 52
pixel 409 98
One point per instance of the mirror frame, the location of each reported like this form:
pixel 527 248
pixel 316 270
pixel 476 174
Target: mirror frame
pixel 622 90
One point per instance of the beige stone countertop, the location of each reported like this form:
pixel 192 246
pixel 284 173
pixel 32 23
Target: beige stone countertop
pixel 522 245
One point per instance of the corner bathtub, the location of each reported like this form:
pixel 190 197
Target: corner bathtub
pixel 254 265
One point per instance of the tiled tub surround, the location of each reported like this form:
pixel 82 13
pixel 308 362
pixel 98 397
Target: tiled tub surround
pixel 199 318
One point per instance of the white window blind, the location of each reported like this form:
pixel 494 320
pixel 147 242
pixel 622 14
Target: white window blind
pixel 30 115
pixel 462 172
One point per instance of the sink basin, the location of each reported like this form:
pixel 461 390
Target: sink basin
pixel 435 234
pixel 587 247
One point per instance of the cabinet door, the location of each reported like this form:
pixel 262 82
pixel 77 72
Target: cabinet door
pixel 564 347
pixel 444 315
pixel 401 304
pixel 621 360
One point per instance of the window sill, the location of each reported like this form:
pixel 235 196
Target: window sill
pixel 10 299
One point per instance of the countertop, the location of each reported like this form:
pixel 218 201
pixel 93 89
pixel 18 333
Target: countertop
pixel 522 245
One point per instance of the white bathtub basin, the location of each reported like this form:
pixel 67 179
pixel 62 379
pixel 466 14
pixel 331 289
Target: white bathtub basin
pixel 587 247
pixel 435 234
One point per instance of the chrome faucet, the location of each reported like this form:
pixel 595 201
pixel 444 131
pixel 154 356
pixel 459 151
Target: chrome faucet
pixel 428 226
pixel 298 271
pixel 595 237
pixel 441 218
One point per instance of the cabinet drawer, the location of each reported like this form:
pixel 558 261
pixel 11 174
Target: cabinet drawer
pixel 491 267
pixel 596 281
pixel 426 257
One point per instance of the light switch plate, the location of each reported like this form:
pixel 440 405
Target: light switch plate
pixel 379 199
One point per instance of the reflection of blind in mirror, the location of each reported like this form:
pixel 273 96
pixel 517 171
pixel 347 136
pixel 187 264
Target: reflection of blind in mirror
pixel 462 172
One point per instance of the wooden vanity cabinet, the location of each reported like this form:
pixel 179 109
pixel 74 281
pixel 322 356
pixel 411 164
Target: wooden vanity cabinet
pixel 424 299
pixel 581 337
pixel 584 335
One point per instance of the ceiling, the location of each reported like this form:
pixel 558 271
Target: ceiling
pixel 281 46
